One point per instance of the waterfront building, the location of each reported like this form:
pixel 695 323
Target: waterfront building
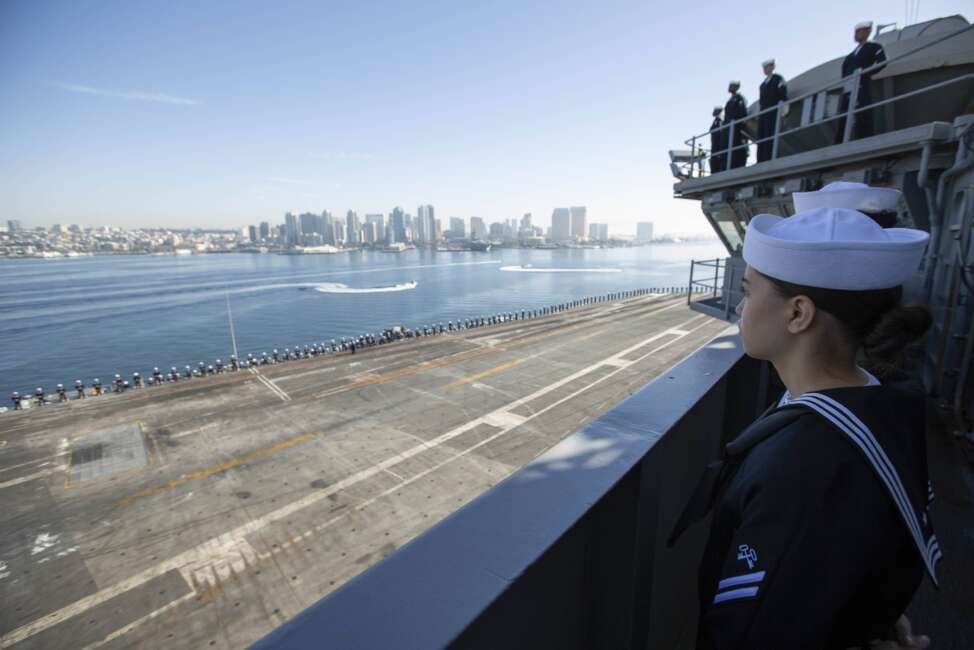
pixel 458 228
pixel 598 231
pixel 368 233
pixel 397 226
pixel 14 225
pixel 353 227
pixel 478 230
pixel 291 231
pixel 378 223
pixel 426 224
pixel 561 228
pixel 252 233
pixel 644 231
pixel 265 231
pixel 526 221
pixel 578 221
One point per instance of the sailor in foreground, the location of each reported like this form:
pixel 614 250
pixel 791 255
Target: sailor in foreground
pixel 879 203
pixel 865 55
pixel 820 533
pixel 773 91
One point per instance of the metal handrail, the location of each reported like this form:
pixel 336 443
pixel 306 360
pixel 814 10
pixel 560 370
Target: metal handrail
pixel 867 107
pixel 854 79
pixel 713 284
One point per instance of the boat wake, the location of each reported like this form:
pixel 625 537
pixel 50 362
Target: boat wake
pixel 337 287
pixel 527 268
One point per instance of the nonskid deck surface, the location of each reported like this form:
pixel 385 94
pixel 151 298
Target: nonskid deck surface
pixel 207 512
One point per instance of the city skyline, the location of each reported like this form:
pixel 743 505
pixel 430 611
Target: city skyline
pixel 218 115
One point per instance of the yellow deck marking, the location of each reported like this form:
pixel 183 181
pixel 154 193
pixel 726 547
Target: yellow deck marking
pixel 222 467
pixel 485 373
pixel 592 335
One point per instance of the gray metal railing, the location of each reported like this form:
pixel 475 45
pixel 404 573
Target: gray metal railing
pixel 854 81
pixel 717 281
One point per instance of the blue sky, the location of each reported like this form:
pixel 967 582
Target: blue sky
pixel 227 113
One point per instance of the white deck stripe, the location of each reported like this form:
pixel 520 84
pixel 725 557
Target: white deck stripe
pixel 271 385
pixel 24 479
pixel 226 545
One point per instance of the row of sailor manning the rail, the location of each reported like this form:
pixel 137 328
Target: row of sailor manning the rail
pixel 773 91
pixel 821 531
pixel 346 344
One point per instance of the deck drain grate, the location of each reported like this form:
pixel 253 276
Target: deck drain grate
pixel 105 452
pixel 87 454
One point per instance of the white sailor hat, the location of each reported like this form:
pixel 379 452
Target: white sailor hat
pixel 734 82
pixel 851 196
pixel 866 24
pixel 833 248
pixel 767 62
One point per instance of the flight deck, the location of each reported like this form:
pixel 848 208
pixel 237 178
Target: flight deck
pixel 205 513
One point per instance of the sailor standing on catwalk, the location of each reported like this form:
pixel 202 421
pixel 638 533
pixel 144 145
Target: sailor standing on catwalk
pixel 718 142
pixel 735 111
pixel 773 91
pixel 865 55
pixel 820 533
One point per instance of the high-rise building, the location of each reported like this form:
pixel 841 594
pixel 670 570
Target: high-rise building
pixel 425 224
pixel 309 223
pixel 368 232
pixel 478 230
pixel 561 224
pixel 598 231
pixel 378 222
pixel 497 230
pixel 265 231
pixel 644 231
pixel 14 225
pixel 327 227
pixel 353 227
pixel 422 225
pixel 291 231
pixel 252 233
pixel 578 221
pixel 526 220
pixel 338 231
pixel 397 226
pixel 458 228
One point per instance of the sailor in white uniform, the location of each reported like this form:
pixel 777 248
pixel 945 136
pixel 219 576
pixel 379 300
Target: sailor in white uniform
pixel 820 533
pixel 880 203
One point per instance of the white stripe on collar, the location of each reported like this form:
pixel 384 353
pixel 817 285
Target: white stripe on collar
pixel 847 422
pixel 870 381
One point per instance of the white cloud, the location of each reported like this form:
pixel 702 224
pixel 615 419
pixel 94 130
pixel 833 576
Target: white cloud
pixel 160 98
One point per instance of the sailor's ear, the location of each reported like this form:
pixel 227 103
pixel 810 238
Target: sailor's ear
pixel 801 313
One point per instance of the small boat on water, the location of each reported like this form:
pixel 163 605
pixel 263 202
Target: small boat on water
pixel 336 287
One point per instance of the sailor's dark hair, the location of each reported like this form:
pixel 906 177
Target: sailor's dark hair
pixel 875 320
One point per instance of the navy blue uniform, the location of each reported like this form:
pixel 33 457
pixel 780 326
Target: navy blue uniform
pixel 718 144
pixel 773 90
pixel 821 537
pixel 736 109
pixel 864 56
